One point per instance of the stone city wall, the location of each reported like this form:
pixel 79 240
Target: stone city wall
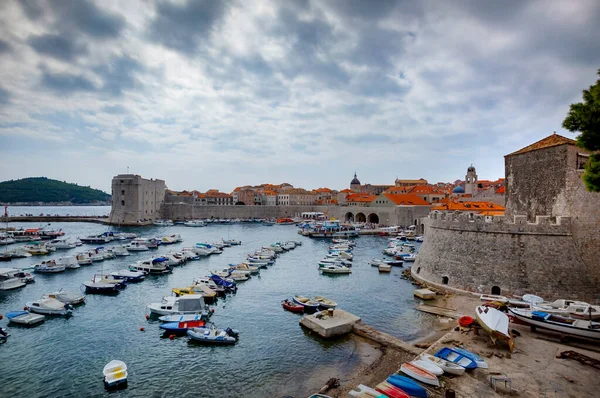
pixel 477 253
pixel 183 211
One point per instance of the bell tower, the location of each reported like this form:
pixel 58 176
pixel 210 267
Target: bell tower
pixel 471 181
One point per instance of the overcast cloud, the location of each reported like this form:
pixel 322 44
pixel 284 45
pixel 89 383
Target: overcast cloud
pixel 208 94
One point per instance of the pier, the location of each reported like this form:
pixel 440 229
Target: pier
pixel 47 219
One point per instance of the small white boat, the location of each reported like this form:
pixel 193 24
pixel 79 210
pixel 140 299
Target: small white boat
pixel 232 242
pixel 62 244
pixel 428 366
pixel 49 306
pixel 115 374
pixel 557 323
pixel 446 366
pixel 335 269
pixel 48 267
pixel 195 223
pixel 119 251
pixel 136 247
pixel 495 323
pixel 412 257
pixel 186 304
pixel 8 280
pixel 157 266
pixel 70 262
pixel 83 259
pixel 420 374
pixel 324 302
pixel 213 335
pixel 163 223
pixel 128 275
pixel 66 297
pixel 384 267
pixel 24 317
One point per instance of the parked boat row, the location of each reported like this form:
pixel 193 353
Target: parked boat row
pixel 338 260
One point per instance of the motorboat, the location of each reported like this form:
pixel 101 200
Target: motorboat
pixel 199 251
pixel 66 297
pixel 213 335
pixel 48 267
pixel 24 276
pixel 195 223
pixel 455 357
pixel 154 266
pixel 446 366
pixel 255 260
pixel 95 255
pixel 291 306
pixel 163 223
pixel 420 374
pixel 495 323
pixel 407 385
pixel 330 261
pixel 233 242
pixel 95 239
pixel 186 304
pixel 208 247
pixel 24 317
pixel 335 270
pixel 8 280
pixel 136 247
pixel 106 254
pixel 98 285
pixel 189 255
pixel 62 244
pixel 128 275
pixel 115 375
pixel 168 240
pixel 180 327
pixel 49 306
pixel 83 258
pixel 557 323
pixel 220 290
pixel 324 302
pixel 206 292
pixel 19 252
pixel 384 267
pixel 235 276
pixel 570 308
pixel 410 258
pixel 230 285
pixel 70 262
pixel 37 249
pixel 118 251
pixel 308 304
pixel 245 267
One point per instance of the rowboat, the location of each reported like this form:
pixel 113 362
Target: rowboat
pixel 471 355
pixel 429 366
pixel 115 374
pixel 180 318
pixel 308 304
pixel 335 270
pixel 420 374
pixel 495 323
pixel 365 391
pixel 324 302
pixel 567 326
pixel 407 385
pixel 446 366
pixel 453 356
pixel 291 306
pixel 181 326
pixel 390 390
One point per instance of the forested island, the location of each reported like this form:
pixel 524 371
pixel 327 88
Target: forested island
pixel 45 191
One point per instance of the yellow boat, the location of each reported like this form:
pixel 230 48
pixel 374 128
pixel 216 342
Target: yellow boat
pixel 207 293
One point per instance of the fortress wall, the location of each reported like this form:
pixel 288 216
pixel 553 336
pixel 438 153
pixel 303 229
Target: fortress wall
pixel 477 253
pixel 183 211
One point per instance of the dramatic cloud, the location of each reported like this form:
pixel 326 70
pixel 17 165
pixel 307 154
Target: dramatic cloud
pixel 216 94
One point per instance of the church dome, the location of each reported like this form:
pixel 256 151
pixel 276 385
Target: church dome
pixel 471 168
pixel 355 180
pixel 458 189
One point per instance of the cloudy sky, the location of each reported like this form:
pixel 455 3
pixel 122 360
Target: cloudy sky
pixel 208 94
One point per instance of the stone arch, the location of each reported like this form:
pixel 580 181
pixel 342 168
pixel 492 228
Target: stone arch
pixel 360 217
pixel 496 290
pixel 373 218
pixel 445 280
pixel 349 217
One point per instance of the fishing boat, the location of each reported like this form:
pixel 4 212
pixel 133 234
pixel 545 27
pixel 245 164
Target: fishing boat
pixel 97 286
pixel 213 335
pixel 390 391
pixel 49 306
pixel 420 374
pixel 335 270
pixel 471 355
pixel 66 297
pixel 186 304
pixel 154 266
pixel 557 323
pixel 446 366
pixel 291 306
pixel 384 268
pixel 24 317
pixel 8 280
pixel 129 276
pixel 407 385
pixel 48 267
pixel 308 304
pixel 324 302
pixel 453 356
pixel 495 323
pixel 183 326
pixel 115 375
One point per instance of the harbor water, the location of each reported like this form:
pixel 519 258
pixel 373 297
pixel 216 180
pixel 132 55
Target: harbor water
pixel 274 357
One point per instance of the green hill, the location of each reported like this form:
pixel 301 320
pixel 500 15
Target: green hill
pixel 45 190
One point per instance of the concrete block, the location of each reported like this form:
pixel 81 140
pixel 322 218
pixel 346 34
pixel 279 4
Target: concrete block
pixel 339 324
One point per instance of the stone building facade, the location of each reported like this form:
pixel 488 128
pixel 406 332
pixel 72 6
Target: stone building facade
pixel 136 200
pixel 547 244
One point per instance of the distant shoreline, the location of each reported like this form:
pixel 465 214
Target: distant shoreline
pixel 63 204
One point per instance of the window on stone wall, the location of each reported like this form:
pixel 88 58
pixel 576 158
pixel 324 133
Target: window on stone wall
pixel 581 161
pixel 122 203
pixel 445 280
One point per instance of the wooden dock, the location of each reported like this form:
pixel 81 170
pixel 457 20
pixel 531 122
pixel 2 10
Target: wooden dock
pixel 430 309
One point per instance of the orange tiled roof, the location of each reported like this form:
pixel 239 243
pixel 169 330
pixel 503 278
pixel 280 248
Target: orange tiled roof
pixel 347 191
pixel 406 199
pixel 415 182
pixel 469 206
pixel 360 197
pixel 548 142
pixel 423 189
pixel 502 189
pixel 268 192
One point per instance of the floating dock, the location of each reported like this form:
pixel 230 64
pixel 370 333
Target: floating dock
pixel 325 325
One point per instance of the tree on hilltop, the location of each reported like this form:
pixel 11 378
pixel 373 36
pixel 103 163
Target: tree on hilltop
pixel 584 117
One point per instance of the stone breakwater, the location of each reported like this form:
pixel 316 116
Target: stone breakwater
pixel 506 255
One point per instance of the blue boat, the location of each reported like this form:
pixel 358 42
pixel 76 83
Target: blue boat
pixel 471 355
pixel 452 355
pixel 222 282
pixel 407 385
pixel 182 326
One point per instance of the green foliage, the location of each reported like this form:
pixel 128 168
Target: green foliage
pixel 584 117
pixel 42 189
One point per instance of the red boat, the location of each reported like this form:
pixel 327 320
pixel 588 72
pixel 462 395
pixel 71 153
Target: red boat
pixel 291 306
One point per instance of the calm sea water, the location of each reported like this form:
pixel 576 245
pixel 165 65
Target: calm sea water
pixel 274 356
pixel 59 210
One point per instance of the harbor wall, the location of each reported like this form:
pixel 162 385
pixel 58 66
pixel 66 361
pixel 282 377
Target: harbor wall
pixel 477 253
